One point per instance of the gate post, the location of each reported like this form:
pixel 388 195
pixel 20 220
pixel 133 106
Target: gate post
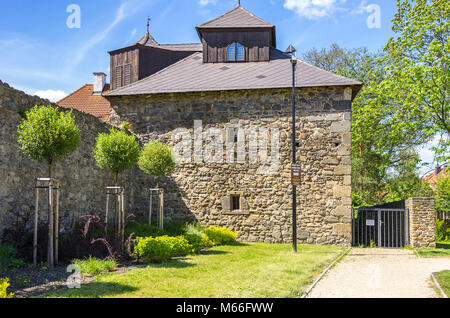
pixel 421 222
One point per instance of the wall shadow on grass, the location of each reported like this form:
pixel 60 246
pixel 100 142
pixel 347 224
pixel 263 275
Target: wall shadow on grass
pixel 96 290
pixel 174 263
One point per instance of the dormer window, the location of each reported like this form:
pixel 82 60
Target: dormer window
pixel 235 52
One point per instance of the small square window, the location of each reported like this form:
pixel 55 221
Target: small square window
pixel 235 202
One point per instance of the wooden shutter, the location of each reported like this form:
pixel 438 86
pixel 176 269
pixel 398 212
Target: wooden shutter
pixel 119 76
pixel 127 75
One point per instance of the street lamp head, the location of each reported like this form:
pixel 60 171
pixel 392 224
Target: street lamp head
pixel 294 60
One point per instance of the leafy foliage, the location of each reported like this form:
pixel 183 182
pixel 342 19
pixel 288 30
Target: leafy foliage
pixel 195 234
pixel 418 60
pixel 48 134
pixel 156 159
pixel 95 266
pixel 142 230
pixel 116 151
pixel 442 231
pixel 9 259
pixel 443 195
pixel 4 284
pixel 220 235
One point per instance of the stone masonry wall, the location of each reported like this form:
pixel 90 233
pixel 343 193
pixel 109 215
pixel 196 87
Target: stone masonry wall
pixel 202 191
pixel 83 183
pixel 422 220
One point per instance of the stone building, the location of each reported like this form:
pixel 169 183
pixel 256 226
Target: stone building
pixel 226 108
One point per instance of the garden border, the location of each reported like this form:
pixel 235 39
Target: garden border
pixel 325 272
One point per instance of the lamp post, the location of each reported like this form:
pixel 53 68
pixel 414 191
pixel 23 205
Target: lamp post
pixel 291 50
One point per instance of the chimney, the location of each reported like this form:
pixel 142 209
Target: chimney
pixel 437 170
pixel 99 83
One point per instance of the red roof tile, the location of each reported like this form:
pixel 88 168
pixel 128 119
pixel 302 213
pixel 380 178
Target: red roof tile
pixel 83 100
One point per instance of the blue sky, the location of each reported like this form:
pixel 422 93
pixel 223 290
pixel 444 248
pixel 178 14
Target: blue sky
pixel 41 55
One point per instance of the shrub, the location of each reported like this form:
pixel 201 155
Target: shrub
pixel 195 234
pixel 156 159
pixel 442 231
pixel 220 235
pixel 8 258
pixel 95 266
pixel 48 134
pixel 142 230
pixel 161 249
pixel 4 284
pixel 116 151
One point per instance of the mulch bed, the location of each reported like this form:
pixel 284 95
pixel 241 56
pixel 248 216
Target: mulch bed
pixel 29 282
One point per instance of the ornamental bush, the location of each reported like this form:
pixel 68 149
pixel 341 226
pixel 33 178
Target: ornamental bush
pixel 220 235
pixel 196 236
pixel 47 134
pixel 156 159
pixel 4 284
pixel 116 151
pixel 161 249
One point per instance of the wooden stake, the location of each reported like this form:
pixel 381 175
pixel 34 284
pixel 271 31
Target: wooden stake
pixel 50 252
pixel 57 225
pixel 36 220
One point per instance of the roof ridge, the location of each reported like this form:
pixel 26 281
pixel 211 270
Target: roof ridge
pixel 232 10
pixel 73 93
pixel 217 17
pixel 157 73
pixel 254 15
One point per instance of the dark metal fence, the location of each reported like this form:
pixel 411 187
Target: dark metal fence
pixel 442 215
pixel 379 227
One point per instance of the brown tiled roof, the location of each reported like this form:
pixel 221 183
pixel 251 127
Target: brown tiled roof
pixel 83 100
pixel 192 75
pixel 236 18
pixel 434 178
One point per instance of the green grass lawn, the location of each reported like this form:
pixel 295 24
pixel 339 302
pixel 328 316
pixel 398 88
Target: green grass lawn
pixel 442 249
pixel 444 280
pixel 246 270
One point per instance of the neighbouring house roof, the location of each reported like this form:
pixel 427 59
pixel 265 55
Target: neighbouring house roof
pixel 236 18
pixel 192 75
pixel 433 178
pixel 83 100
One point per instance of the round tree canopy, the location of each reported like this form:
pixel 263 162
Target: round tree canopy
pixel 48 134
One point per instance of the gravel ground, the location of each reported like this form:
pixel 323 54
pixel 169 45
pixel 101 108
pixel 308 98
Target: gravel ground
pixel 381 273
pixel 31 282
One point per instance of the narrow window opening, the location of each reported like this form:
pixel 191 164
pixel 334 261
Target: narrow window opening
pixel 235 202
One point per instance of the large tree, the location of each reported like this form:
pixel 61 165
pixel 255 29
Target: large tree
pixel 417 58
pixel 382 143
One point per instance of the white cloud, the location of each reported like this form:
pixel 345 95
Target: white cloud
pixel 206 2
pixel 312 9
pixel 51 95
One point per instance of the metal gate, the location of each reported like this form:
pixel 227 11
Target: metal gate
pixel 381 227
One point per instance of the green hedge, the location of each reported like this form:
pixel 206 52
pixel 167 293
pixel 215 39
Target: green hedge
pixel 161 249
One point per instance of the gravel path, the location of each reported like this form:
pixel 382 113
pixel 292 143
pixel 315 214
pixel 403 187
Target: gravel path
pixel 381 273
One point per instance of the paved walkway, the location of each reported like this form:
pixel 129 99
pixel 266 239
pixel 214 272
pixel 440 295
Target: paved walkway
pixel 381 273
